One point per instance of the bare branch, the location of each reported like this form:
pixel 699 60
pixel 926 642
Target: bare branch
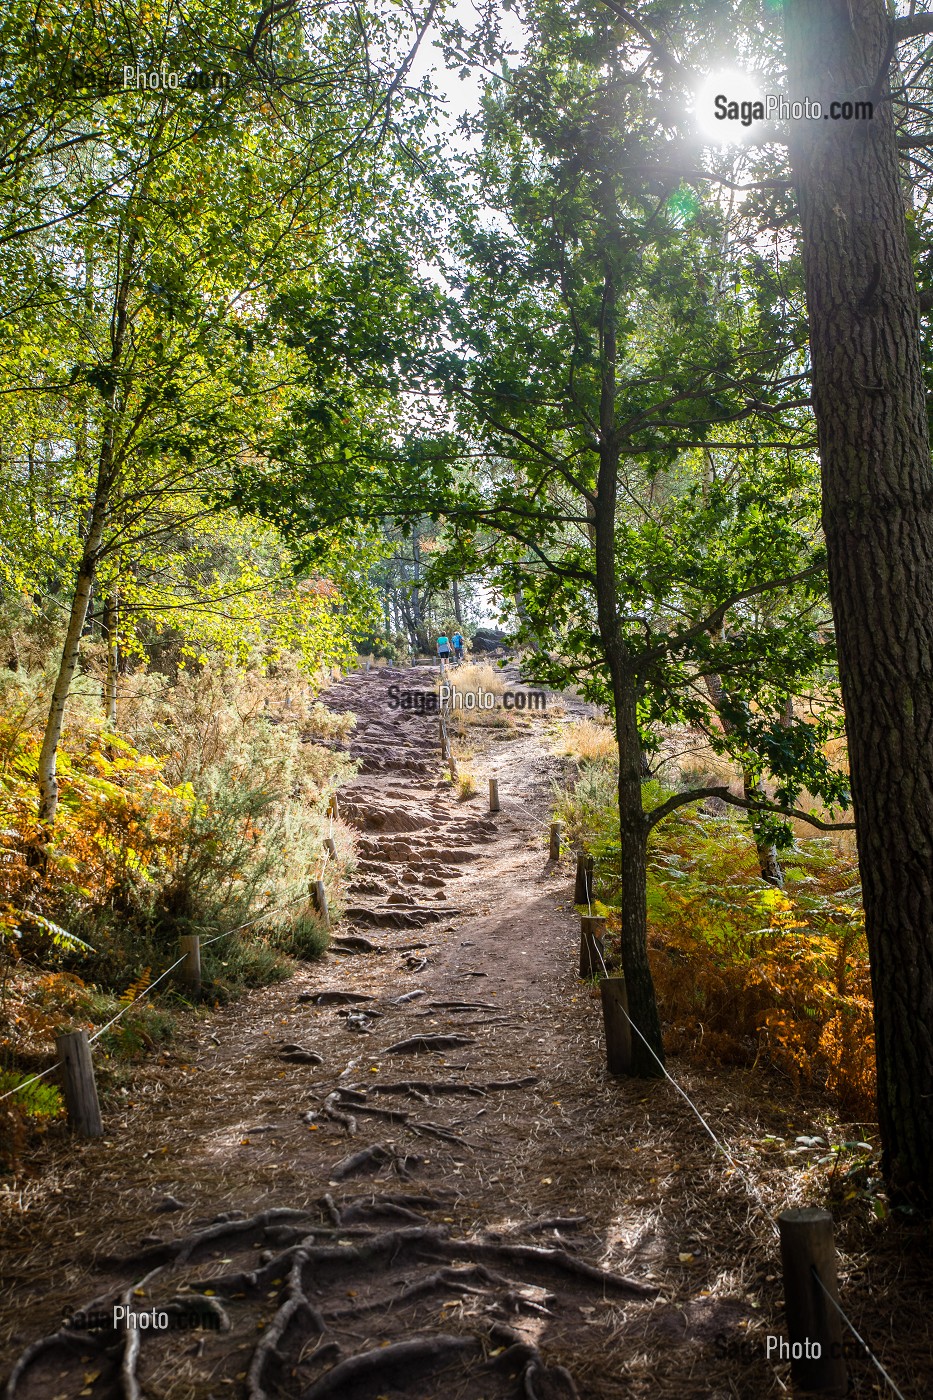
pixel 681 799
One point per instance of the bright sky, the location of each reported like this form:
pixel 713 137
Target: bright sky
pixel 462 94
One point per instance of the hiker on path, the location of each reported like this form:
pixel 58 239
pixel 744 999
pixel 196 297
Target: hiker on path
pixel 443 648
pixel 457 640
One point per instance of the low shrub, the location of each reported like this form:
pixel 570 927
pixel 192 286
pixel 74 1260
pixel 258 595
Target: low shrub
pixel 743 971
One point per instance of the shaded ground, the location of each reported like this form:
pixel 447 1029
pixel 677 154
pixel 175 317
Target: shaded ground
pixel 321 1209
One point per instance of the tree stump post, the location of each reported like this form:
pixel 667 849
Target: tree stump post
pixel 614 998
pixel 366 665
pixel 583 882
pixel 189 947
pixel 319 900
pixel 815 1339
pixel 78 1084
pixel 553 851
pixel 494 795
pixel 330 847
pixel 592 946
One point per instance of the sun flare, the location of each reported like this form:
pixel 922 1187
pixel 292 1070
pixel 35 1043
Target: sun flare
pixel 734 86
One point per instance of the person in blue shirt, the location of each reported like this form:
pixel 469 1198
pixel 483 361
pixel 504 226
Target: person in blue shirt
pixel 443 648
pixel 457 640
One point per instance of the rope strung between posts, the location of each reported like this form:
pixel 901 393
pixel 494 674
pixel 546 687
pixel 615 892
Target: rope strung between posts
pixel 858 1337
pixel 123 1010
pixel 152 985
pixel 750 1185
pixel 26 1082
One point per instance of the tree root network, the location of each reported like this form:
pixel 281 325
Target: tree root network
pixel 333 1269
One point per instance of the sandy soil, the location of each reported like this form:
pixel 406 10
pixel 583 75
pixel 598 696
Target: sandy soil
pixel 524 1225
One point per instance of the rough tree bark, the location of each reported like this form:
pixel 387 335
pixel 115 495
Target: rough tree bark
pixel 878 520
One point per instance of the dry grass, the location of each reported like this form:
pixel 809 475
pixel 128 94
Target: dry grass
pixel 473 677
pixel 469 685
pixel 466 785
pixel 587 740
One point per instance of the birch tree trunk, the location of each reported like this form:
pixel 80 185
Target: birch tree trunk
pixel 84 582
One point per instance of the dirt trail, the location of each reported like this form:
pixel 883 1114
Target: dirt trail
pixel 482 1216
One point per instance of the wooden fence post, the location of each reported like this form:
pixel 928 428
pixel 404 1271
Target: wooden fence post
pixel 330 846
pixel 189 946
pixel 553 852
pixel 74 1051
pixel 319 900
pixel 814 1343
pixel 614 998
pixel 592 946
pixel 583 883
pixel 494 795
pixel 332 810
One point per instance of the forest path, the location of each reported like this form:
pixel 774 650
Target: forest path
pixel 462 1219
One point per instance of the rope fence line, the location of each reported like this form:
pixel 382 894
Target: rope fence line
pixel 238 928
pixel 736 1166
pixel 757 1199
pixel 857 1335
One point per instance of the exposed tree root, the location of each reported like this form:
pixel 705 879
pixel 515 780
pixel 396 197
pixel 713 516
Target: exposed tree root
pixel 556 1222
pixel 391 1115
pixel 353 943
pixel 463 1006
pixel 336 1115
pixel 182 1249
pixel 423 1088
pixel 334 998
pixel 369 1158
pixel 447 1279
pixel 542 1382
pixel 427 1044
pixel 296 1305
pixel 299 1055
pixel 553 1261
pixel 403 1359
pixel 443 1133
pixel 64 1337
pixel 405 1265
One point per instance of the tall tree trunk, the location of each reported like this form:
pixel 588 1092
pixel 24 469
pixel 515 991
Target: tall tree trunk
pixel 84 582
pixel 456 592
pixel 878 520
pixel 647 1044
pixel 752 790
